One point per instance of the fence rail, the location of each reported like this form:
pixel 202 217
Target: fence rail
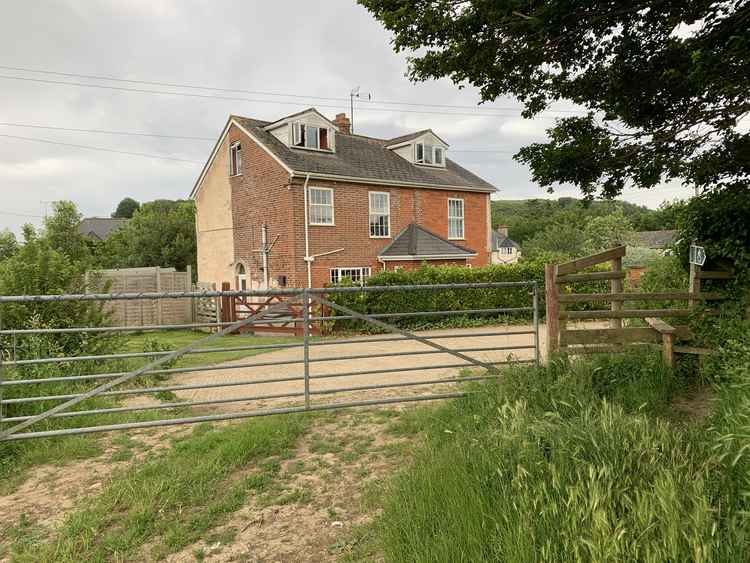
pixel 561 338
pixel 44 396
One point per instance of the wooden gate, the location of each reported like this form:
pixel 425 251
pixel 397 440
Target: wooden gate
pixel 286 318
pixel 584 339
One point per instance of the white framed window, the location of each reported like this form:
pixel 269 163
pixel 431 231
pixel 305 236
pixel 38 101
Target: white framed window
pixel 235 159
pixel 429 154
pixel 311 137
pixel 357 275
pixel 241 277
pixel 455 218
pixel 321 206
pixel 506 250
pixel 380 214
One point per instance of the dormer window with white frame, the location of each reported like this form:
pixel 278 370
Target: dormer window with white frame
pixel 432 155
pixel 235 159
pixel 312 137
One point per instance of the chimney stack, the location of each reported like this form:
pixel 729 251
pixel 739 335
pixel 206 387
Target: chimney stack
pixel 503 230
pixel 343 123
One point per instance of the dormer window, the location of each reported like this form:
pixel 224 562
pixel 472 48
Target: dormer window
pixel 429 154
pixel 311 137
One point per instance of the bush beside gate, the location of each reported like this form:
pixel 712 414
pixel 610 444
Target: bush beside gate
pixel 450 299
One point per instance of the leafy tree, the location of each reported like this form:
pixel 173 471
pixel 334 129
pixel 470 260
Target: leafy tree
pixel 37 268
pixel 62 234
pixel 161 233
pixel 8 244
pixel 608 231
pixel 561 240
pixel 126 208
pixel 720 221
pixel 664 83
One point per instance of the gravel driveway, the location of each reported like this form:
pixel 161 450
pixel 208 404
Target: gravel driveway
pixel 331 358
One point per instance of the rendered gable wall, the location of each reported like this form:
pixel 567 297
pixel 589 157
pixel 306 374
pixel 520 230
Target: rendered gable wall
pixel 213 219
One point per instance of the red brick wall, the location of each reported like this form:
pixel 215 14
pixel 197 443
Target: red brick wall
pixel 428 208
pixel 262 195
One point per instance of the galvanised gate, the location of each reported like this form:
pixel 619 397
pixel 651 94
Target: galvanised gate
pixel 42 395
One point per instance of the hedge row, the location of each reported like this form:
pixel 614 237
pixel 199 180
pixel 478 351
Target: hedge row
pixel 409 301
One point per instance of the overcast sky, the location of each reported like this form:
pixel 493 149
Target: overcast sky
pixel 306 50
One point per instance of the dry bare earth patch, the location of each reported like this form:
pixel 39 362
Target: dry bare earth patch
pixel 307 505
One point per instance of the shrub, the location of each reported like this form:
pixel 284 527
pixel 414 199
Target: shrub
pixel 720 221
pixel 453 299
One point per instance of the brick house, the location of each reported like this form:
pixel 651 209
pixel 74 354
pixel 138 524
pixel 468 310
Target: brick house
pixel 302 201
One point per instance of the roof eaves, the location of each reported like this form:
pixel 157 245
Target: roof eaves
pixel 377 181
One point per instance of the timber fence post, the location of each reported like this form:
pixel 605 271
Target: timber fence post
pixel 552 309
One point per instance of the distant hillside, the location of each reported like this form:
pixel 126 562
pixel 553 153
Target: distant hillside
pixel 526 217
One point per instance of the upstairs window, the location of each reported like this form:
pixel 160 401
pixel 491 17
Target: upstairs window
pixel 311 137
pixel 380 214
pixel 429 154
pixel 455 219
pixel 321 206
pixel 357 275
pixel 235 159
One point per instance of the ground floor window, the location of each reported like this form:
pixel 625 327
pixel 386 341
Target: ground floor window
pixel 505 250
pixel 357 275
pixel 241 278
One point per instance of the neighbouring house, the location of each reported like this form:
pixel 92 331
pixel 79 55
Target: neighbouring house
pixel 302 201
pixel 99 228
pixel 648 245
pixel 504 249
pixel 656 239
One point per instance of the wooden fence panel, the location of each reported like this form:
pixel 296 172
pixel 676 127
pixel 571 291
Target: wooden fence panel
pixel 144 312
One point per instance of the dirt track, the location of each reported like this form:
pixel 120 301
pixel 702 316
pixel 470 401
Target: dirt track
pixel 329 359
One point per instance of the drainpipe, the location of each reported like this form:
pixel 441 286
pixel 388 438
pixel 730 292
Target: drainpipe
pixel 308 259
pixel 264 241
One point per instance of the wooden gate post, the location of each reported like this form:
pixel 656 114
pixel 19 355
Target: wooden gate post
pixel 552 306
pixel 226 304
pixel 616 287
pixel 695 283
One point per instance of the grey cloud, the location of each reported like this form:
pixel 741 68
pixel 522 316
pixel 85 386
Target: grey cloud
pixel 313 49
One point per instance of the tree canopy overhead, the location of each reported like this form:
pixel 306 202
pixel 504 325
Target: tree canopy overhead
pixel 126 208
pixel 664 83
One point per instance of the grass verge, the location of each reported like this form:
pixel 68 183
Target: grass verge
pixel 16 458
pixel 573 462
pixel 171 500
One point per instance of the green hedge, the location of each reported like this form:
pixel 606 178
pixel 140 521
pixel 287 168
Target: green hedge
pixel 379 302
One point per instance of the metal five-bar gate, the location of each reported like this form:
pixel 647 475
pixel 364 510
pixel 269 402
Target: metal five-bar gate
pixel 368 358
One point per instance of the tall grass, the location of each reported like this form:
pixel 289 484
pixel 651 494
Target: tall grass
pixel 572 462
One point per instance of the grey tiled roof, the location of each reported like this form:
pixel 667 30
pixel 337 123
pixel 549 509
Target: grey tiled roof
pixel 656 239
pixel 502 241
pixel 419 242
pixel 357 156
pixel 99 227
